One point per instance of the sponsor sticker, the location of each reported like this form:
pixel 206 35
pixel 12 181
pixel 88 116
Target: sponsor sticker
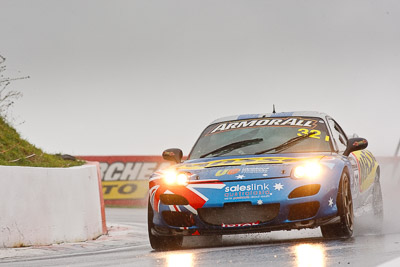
pixel 227 172
pixel 240 224
pixel 255 170
pixel 247 191
pixel 367 168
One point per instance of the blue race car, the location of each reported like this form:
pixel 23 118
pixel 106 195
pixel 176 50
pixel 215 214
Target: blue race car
pixel 264 172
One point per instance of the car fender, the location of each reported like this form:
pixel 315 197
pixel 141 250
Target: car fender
pixel 365 169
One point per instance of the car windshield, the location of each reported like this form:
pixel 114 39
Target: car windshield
pixel 263 136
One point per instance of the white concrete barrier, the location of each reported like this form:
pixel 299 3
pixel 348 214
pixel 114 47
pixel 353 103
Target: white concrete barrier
pixel 41 206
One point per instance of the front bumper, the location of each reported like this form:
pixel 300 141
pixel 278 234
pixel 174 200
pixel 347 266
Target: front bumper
pixel 171 231
pixel 248 206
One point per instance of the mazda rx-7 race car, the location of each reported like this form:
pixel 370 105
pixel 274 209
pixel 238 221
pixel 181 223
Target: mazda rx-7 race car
pixel 264 172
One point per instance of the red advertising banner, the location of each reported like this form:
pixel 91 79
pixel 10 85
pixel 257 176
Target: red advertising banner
pixel 125 179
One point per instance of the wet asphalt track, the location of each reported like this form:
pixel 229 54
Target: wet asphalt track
pixel 128 246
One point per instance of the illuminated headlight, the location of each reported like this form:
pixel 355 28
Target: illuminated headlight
pixel 308 170
pixel 176 178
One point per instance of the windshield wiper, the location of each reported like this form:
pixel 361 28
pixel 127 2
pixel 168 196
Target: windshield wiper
pixel 287 144
pixel 230 147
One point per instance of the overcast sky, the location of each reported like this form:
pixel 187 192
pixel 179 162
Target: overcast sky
pixel 137 77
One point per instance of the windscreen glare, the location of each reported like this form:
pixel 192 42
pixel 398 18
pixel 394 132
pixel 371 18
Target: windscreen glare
pixel 251 136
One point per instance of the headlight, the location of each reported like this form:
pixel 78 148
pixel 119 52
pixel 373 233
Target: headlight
pixel 308 170
pixel 177 178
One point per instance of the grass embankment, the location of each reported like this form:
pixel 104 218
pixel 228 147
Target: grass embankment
pixel 14 151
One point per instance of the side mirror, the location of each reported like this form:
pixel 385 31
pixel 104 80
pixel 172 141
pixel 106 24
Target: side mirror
pixel 173 154
pixel 355 144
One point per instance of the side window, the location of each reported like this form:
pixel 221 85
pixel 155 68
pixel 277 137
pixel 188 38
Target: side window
pixel 339 137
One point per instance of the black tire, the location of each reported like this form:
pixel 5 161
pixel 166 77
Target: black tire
pixel 344 229
pixel 161 242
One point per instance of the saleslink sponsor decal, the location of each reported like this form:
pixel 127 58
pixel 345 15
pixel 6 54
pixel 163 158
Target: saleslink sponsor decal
pixel 242 161
pixel 247 191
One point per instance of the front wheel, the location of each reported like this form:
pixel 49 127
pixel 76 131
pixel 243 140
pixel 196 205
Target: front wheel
pixel 343 229
pixel 161 242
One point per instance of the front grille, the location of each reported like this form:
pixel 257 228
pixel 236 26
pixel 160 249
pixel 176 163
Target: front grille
pixel 178 219
pixel 239 213
pixel 303 210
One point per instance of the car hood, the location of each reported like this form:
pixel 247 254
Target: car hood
pixel 245 167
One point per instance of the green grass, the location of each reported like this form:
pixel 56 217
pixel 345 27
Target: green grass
pixel 14 151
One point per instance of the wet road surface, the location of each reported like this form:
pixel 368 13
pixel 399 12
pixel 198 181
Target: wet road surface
pixel 127 245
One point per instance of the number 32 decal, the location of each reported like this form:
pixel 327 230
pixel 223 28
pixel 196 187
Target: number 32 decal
pixel 314 133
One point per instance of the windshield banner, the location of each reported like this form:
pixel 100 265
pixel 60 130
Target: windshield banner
pixel 265 122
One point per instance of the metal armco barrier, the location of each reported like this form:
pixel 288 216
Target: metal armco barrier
pixel 125 179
